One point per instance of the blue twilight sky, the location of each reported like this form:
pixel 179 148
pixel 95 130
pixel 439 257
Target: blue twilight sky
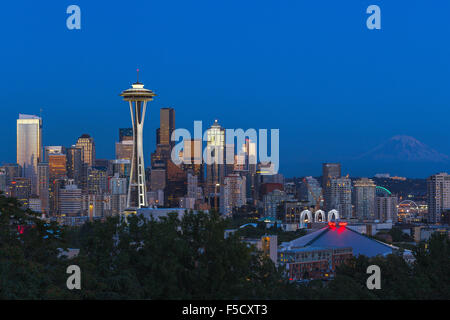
pixel 310 68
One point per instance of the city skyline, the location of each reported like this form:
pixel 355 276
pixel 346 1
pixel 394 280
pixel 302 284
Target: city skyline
pixel 233 150
pixel 334 88
pixel 348 163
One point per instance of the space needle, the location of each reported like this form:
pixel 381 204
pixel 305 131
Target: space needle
pixel 137 97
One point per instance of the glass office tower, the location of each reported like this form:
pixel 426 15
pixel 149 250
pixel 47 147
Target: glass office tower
pixel 29 146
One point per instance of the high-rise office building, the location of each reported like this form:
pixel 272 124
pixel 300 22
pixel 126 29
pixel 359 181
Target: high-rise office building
pixel 310 191
pixel 232 193
pixel 21 189
pixel 386 208
pixel 96 206
pixel 53 150
pixel 121 167
pixel 118 189
pixel 57 164
pixel 43 178
pixel 158 179
pixel 125 134
pixel 264 175
pixel 29 146
pixel 137 98
pixel 233 163
pixel 329 171
pixel 193 191
pixel 215 157
pixel 97 180
pixel 167 125
pixel 364 199
pixel 74 164
pixel 272 200
pixel 438 195
pixel 193 158
pixel 87 144
pixel 106 163
pixel 11 171
pixel 252 166
pixel 70 199
pixel 34 204
pixel 176 183
pixel 161 155
pixel 118 203
pixel 117 185
pixel 124 148
pixel 54 187
pixel 57 174
pixel 3 183
pixel 340 196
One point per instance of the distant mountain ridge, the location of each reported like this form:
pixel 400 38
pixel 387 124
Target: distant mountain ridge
pixel 403 148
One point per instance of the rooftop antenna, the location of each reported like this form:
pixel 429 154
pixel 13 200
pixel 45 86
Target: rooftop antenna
pixel 137 71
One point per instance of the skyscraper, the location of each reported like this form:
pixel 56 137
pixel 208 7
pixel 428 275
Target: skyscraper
pixel 74 164
pixel 12 170
pixel 386 208
pixel 329 171
pixel 43 178
pixel 87 144
pixel 158 178
pixel 117 185
pixel 70 200
pixel 124 148
pixel 97 180
pixel 176 183
pixel 438 195
pixel 232 193
pixel 52 150
pixel 3 183
pixel 29 146
pixel 21 189
pixel 192 158
pixel 340 196
pixel 310 191
pixel 137 98
pixel 125 134
pixel 167 125
pixel 57 166
pixel 364 198
pixel 215 157
pixel 122 167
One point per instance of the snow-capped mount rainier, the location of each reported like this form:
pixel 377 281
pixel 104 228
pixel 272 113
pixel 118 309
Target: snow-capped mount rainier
pixel 403 148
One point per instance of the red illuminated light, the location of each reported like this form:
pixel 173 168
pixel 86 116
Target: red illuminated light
pixel 332 224
pixel 342 224
pixel 21 229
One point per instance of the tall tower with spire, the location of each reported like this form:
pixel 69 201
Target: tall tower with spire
pixel 137 98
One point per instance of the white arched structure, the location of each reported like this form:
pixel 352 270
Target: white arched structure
pixel 331 213
pixel 411 203
pixel 302 217
pixel 320 213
